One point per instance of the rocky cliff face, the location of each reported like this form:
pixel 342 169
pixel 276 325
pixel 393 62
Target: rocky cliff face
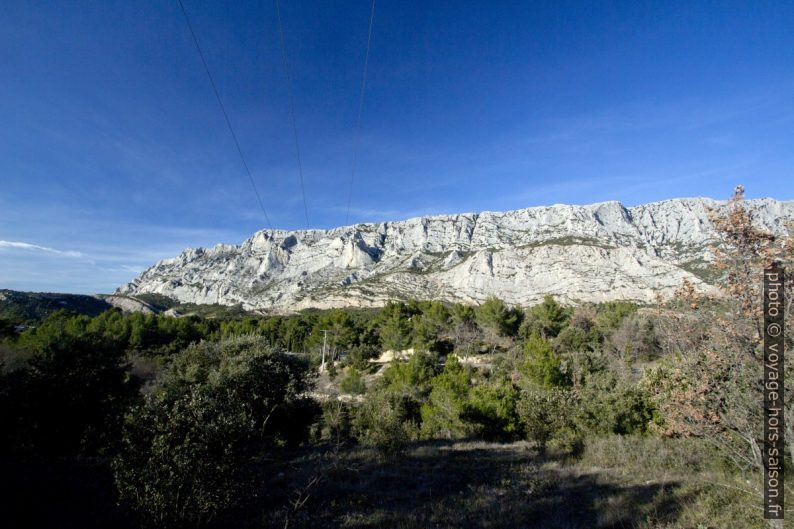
pixel 598 252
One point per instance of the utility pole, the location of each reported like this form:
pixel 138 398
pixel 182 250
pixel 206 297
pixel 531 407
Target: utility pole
pixel 325 339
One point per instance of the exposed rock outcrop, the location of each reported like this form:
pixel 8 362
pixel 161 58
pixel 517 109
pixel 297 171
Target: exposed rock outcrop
pixel 596 252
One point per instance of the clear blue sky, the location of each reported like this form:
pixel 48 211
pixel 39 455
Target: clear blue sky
pixel 114 153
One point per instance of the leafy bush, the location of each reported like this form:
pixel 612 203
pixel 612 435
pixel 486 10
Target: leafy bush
pixel 492 408
pixel 578 366
pixel 386 421
pixel 360 355
pixel 391 413
pixel 611 314
pixel 457 408
pixel 353 383
pixel 613 405
pixel 610 402
pixel 428 328
pixel 63 392
pixel 546 319
pixel 546 415
pixel 188 450
pixel 497 319
pixel 7 328
pixel 394 326
pixel 572 340
pixel 336 422
pixel 635 339
pixel 442 415
pixel 412 376
pixel 542 365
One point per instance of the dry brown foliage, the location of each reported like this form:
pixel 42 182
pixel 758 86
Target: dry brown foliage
pixel 713 389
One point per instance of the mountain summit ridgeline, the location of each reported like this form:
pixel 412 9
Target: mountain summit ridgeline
pixel 597 252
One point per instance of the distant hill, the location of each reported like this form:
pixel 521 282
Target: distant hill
pixel 28 307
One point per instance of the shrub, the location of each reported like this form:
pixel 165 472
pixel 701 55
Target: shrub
pixel 545 414
pixel 611 314
pixel 336 421
pixel 428 327
pixel 635 339
pixel 353 383
pixel 610 405
pixel 412 376
pixel 542 365
pixel 394 326
pixel 497 319
pixel 492 408
pixel 578 366
pixel 442 414
pixel 572 340
pixel 188 450
pixel 332 370
pixel 583 317
pixel 463 332
pixel 385 421
pixel 7 328
pixel 456 408
pixel 63 393
pixel 547 319
pixel 183 460
pixel 290 423
pixel 359 356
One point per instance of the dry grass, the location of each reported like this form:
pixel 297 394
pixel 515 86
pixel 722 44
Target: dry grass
pixel 619 482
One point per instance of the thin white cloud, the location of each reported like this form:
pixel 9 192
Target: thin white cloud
pixel 378 215
pixel 36 248
pixel 132 269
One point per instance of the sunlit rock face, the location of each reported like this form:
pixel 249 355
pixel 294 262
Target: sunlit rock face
pixel 598 252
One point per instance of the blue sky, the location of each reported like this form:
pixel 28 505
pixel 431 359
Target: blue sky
pixel 114 153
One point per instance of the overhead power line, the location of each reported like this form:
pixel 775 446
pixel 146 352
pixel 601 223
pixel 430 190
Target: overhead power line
pixel 225 114
pixel 291 107
pixel 356 134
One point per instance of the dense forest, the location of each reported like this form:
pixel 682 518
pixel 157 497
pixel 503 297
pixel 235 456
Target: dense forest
pixel 610 415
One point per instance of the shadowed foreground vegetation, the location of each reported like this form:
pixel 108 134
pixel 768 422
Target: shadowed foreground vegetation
pixel 549 416
pixel 616 482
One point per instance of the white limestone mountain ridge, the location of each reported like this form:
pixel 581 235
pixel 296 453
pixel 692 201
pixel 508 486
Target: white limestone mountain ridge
pixel 597 252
